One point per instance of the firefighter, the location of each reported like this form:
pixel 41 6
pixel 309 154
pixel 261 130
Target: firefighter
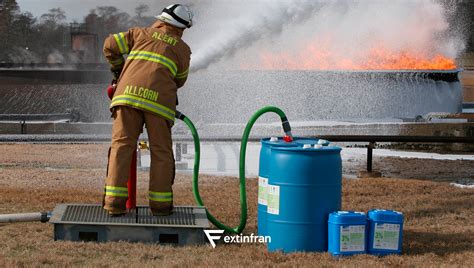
pixel 146 93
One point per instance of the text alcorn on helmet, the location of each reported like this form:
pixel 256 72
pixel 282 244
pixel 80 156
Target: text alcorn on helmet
pixel 177 15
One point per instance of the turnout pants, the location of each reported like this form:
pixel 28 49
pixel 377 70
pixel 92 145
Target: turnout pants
pixel 127 126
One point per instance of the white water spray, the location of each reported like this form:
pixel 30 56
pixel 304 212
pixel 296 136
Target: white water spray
pixel 344 31
pixel 247 23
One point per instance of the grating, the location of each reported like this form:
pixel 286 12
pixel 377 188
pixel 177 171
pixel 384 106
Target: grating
pixel 90 214
pixel 90 222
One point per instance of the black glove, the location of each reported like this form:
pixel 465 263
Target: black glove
pixel 116 73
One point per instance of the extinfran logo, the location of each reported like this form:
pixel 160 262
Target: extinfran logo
pixel 217 235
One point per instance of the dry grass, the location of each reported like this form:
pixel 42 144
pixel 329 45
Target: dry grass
pixel 439 226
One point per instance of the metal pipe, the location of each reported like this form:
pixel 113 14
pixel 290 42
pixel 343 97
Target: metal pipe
pixel 70 116
pixel 25 217
pixel 23 127
pixel 178 152
pixel 370 148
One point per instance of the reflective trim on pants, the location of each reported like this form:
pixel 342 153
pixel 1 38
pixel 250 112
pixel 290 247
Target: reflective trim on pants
pixel 161 196
pixel 116 191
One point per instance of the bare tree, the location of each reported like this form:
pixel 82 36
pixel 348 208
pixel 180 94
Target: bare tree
pixel 141 9
pixel 54 18
pixel 140 20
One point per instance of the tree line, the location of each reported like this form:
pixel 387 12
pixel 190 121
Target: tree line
pixel 28 39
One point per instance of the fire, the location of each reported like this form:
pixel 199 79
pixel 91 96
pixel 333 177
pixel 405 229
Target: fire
pixel 379 58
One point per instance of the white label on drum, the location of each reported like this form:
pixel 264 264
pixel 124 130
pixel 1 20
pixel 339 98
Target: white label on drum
pixel 386 236
pixel 352 238
pixel 262 190
pixel 273 199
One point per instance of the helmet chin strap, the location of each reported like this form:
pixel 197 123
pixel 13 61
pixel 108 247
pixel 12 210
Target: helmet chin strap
pixel 170 11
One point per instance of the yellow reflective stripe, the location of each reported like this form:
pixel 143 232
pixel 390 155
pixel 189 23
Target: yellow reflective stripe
pixel 122 35
pixel 154 57
pixel 144 104
pixel 162 107
pixel 170 61
pixel 162 193
pixel 161 199
pixel 116 191
pixel 183 74
pixel 148 58
pixel 109 193
pixel 116 188
pixel 119 43
pixel 161 196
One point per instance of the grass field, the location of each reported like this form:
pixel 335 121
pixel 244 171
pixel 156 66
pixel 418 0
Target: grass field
pixel 439 225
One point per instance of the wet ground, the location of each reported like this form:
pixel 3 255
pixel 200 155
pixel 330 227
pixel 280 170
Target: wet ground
pixel 221 159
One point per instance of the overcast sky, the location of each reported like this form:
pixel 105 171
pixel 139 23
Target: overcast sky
pixel 78 9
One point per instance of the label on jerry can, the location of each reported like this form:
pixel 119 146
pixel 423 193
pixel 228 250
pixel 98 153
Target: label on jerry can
pixel 352 238
pixel 386 236
pixel 262 190
pixel 273 199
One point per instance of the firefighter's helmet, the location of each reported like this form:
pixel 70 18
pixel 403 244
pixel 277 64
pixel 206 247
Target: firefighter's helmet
pixel 177 15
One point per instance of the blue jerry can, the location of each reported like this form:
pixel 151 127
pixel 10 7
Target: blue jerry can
pixel 385 232
pixel 347 233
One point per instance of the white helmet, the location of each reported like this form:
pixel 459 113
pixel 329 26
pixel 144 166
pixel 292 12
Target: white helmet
pixel 177 15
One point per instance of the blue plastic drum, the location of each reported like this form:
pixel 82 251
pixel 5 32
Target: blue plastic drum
pixel 304 187
pixel 347 233
pixel 265 153
pixel 385 232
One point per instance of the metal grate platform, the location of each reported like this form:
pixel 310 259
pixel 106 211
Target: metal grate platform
pixel 86 222
pixel 182 216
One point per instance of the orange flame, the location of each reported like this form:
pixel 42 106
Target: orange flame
pixel 379 58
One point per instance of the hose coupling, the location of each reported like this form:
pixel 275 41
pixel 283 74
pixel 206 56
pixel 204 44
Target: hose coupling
pixel 45 216
pixel 287 129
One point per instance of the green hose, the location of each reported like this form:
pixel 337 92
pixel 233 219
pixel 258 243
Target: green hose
pixel 243 150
